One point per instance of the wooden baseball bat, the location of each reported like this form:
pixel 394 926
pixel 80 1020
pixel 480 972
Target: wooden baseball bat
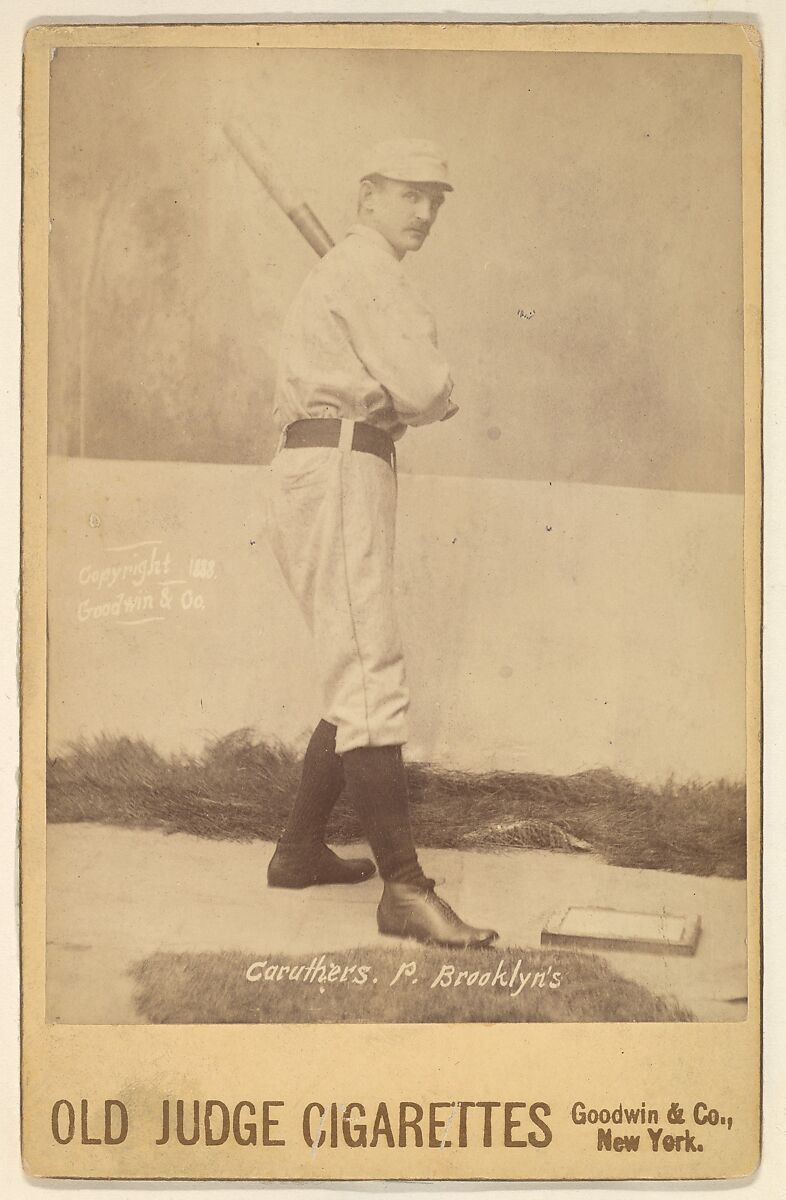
pixel 258 158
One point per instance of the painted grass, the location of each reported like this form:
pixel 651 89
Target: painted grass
pixel 240 788
pixel 213 988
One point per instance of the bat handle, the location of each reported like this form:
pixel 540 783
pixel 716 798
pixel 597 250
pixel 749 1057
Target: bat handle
pixel 311 228
pixel 258 158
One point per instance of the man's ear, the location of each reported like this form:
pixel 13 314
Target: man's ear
pixel 366 195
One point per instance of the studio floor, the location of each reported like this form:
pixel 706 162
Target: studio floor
pixel 116 896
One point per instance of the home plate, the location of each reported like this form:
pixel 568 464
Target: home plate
pixel 611 929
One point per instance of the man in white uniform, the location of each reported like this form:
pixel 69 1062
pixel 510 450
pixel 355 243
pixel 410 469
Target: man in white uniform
pixel 359 363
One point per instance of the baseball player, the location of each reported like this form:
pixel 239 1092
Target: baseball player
pixel 358 364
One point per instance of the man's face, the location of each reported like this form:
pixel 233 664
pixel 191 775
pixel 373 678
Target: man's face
pixel 402 212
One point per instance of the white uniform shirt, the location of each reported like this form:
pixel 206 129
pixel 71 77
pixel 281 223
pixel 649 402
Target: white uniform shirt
pixel 359 343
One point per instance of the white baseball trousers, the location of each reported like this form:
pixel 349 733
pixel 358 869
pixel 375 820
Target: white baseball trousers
pixel 332 524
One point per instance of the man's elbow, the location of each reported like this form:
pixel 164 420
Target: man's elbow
pixel 429 407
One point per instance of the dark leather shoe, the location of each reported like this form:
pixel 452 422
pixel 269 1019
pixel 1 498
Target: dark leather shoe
pixel 299 866
pixel 414 912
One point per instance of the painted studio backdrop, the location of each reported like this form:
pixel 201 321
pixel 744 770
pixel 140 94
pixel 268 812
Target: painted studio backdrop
pixel 570 545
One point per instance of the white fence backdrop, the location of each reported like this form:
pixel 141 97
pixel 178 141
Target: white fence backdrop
pixel 548 627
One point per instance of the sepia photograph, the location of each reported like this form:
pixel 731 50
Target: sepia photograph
pixel 395 598
pixel 391 601
pixel 391 634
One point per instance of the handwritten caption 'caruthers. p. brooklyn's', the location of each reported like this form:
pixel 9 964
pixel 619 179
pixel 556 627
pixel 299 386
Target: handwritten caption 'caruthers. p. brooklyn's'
pixel 322 972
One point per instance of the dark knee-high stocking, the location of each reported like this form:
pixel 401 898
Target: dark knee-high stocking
pixel 376 784
pixel 321 784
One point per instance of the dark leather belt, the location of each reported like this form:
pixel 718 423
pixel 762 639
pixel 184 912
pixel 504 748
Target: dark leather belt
pixel 325 431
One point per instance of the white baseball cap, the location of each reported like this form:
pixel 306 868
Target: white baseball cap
pixel 412 160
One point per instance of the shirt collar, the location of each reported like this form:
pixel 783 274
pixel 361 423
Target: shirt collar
pixel 375 238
